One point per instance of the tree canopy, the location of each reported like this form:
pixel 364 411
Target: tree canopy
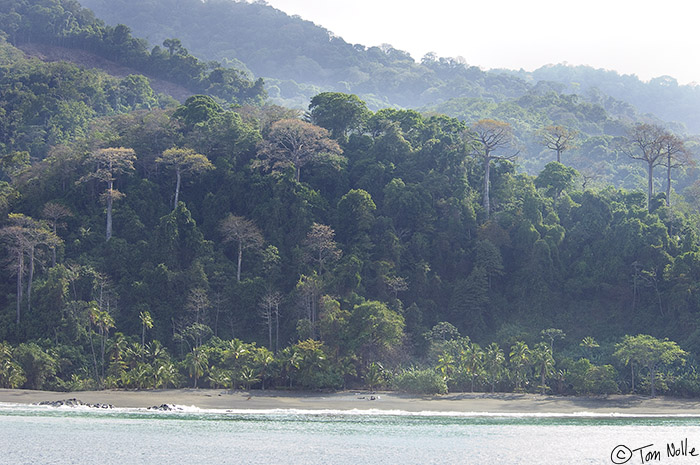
pixel 389 248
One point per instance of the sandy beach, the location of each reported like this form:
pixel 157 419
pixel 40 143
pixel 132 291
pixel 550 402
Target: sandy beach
pixel 349 400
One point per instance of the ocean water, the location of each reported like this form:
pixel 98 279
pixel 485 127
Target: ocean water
pixel 64 435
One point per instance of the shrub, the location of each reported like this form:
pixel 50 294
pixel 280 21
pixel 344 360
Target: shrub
pixel 39 367
pixel 586 378
pixel 415 381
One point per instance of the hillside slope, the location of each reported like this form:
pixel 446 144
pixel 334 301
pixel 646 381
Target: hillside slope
pixel 53 53
pixel 299 59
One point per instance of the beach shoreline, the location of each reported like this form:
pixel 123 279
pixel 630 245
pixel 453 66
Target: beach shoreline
pixel 503 403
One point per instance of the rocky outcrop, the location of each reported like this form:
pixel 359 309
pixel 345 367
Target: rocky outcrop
pixel 74 403
pixel 165 408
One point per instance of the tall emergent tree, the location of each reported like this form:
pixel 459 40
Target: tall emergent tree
pixel 321 247
pixel 244 232
pixel 491 137
pixel 110 163
pixel 183 161
pixel 645 142
pixel 54 212
pixel 22 236
pixel 675 155
pixel 292 142
pixel 558 138
pixel 270 312
pixel 649 352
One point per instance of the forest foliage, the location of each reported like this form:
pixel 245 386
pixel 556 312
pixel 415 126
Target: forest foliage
pixel 152 244
pixel 300 59
pixel 66 23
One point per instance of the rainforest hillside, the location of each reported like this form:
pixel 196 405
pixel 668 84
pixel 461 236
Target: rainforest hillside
pixel 150 243
pixel 300 59
pixel 598 119
pixel 67 24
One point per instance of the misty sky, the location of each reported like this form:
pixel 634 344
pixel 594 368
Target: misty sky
pixel 639 37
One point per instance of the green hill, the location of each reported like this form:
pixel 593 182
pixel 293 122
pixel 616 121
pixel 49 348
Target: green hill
pixel 299 59
pixel 226 242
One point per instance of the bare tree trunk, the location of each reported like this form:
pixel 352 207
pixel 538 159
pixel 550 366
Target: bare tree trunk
pixel 240 259
pixel 53 247
pixel 542 381
pixel 632 365
pixel 668 181
pixel 269 327
pixel 20 272
pixel 650 187
pixel 109 211
pixel 487 172
pixel 277 329
pixel 313 315
pixel 216 315
pixel 102 355
pixel 92 349
pixel 31 278
pixel 178 175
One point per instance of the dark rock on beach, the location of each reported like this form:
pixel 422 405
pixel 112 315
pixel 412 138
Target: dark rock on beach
pixel 163 408
pixel 74 403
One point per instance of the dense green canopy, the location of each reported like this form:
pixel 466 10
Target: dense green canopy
pixel 350 249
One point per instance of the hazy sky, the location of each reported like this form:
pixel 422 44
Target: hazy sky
pixel 646 38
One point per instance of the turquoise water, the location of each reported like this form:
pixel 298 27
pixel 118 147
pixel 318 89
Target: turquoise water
pixel 48 435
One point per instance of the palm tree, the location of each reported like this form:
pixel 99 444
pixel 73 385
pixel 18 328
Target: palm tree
pixel 218 377
pixel 11 373
pixel 140 376
pixel 374 376
pixel 264 360
pixel 164 373
pixel 472 361
pixel 446 365
pixel 493 364
pixel 104 322
pixel 248 376
pixel 519 361
pixel 544 363
pixel 588 344
pixel 196 362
